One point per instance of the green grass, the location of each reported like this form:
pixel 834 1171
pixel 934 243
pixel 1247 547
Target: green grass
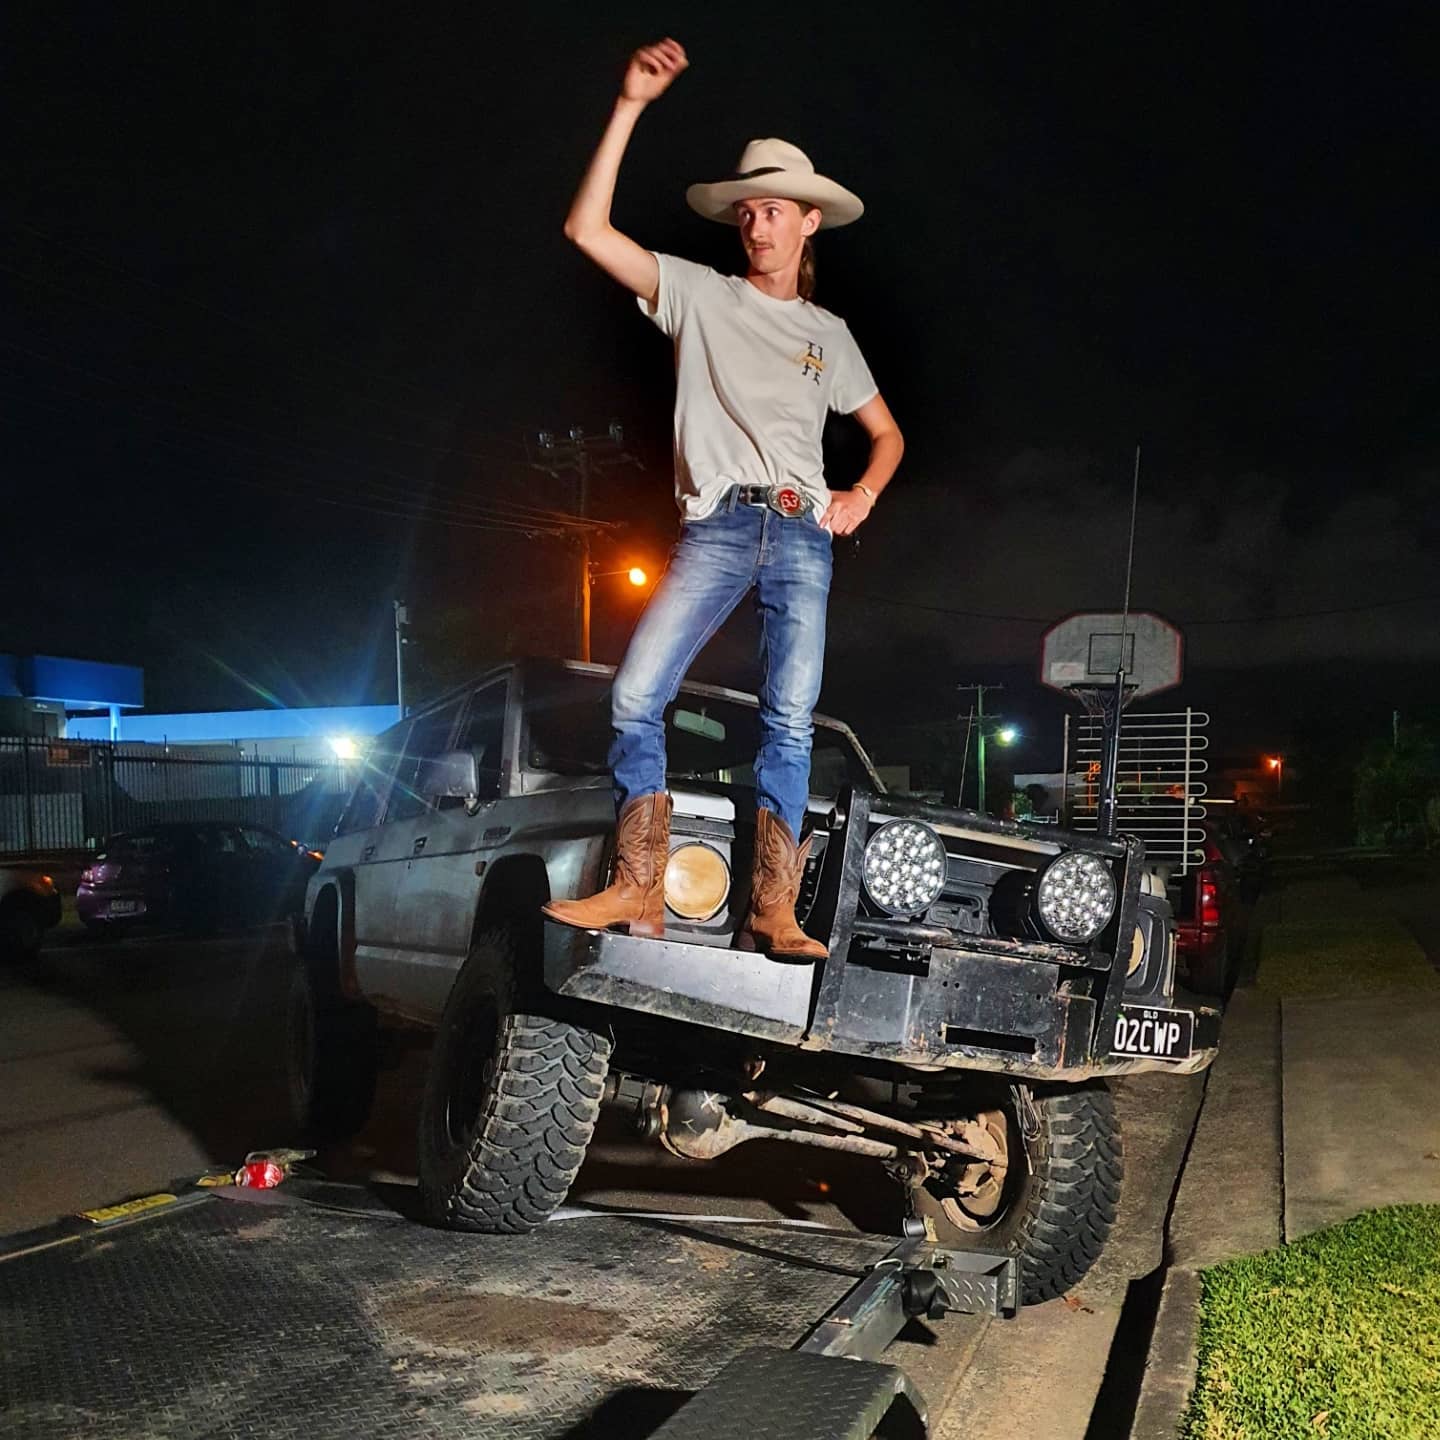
pixel 1372 954
pixel 1336 1336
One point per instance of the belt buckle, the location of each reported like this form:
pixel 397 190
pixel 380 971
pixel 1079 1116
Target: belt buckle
pixel 788 500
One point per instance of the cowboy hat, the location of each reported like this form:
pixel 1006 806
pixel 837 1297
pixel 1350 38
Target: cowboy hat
pixel 775 168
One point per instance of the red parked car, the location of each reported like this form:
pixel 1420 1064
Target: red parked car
pixel 195 875
pixel 1209 922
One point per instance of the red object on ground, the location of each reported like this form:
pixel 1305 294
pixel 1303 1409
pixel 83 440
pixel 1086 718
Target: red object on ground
pixel 260 1175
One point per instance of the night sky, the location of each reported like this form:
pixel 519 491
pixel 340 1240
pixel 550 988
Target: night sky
pixel 286 299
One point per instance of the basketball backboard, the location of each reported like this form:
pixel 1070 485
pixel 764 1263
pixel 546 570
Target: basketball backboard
pixel 1084 653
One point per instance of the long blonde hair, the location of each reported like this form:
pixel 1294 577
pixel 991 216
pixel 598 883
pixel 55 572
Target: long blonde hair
pixel 805 282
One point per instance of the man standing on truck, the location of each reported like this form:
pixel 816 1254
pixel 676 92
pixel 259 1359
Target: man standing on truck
pixel 758 366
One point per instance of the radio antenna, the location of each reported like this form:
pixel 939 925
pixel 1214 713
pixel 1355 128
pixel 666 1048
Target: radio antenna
pixel 1130 555
pixel 1110 754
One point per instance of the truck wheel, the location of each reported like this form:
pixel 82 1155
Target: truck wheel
pixel 1056 1199
pixel 332 1054
pixel 510 1101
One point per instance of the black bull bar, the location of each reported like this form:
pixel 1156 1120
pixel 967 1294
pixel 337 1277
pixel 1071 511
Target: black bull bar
pixel 1020 1007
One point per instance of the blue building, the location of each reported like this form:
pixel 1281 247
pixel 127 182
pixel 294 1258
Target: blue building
pixel 320 732
pixel 37 692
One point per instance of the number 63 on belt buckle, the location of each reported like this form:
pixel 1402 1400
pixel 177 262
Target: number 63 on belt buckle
pixel 788 500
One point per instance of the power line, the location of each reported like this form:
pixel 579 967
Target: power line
pixel 1424 597
pixel 367 399
pixel 492 504
pixel 452 509
pixel 285 485
pixel 393 506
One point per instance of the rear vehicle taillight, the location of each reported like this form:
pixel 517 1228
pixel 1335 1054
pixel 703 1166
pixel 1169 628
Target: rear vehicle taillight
pixel 1209 901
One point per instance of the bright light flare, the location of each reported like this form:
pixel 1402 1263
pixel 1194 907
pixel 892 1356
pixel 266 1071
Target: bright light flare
pixel 1007 735
pixel 637 576
pixel 344 747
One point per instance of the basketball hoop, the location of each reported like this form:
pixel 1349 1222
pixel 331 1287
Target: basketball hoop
pixel 1105 660
pixel 1084 654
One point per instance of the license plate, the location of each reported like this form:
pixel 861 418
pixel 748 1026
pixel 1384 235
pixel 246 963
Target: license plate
pixel 1153 1034
pixel 124 907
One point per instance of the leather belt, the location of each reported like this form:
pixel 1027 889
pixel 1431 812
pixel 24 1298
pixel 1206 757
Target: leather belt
pixel 787 500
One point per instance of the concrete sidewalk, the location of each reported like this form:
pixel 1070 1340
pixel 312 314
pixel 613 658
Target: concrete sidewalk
pixel 1361 1106
pixel 1228 1202
pixel 1318 1108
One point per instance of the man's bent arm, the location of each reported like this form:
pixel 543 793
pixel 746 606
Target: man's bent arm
pixel 850 509
pixel 887 445
pixel 588 225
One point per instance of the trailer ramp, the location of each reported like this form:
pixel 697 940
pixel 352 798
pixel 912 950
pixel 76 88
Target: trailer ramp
pixel 319 1318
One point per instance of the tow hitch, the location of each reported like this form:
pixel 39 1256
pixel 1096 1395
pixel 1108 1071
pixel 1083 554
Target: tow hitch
pixel 803 1392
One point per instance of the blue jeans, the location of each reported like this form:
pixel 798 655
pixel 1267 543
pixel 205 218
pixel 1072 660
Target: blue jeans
pixel 718 561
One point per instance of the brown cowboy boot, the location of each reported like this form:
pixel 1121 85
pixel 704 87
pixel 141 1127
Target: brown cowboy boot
pixel 774 887
pixel 636 896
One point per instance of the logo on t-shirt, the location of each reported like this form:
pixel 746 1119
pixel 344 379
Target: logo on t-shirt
pixel 812 362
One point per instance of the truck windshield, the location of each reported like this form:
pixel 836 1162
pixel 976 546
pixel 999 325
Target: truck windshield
pixel 568 722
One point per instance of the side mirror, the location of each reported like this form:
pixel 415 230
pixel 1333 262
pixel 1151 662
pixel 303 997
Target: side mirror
pixel 452 776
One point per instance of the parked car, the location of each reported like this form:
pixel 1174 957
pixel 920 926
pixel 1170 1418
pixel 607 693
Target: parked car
pixel 29 906
pixel 1210 917
pixel 196 875
pixel 983 978
pixel 1245 835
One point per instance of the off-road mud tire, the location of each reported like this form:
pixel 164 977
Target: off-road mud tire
pixel 501 1145
pixel 1060 1208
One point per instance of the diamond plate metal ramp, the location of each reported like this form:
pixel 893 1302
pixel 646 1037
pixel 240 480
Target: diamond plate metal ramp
pixel 785 1395
pixel 293 1321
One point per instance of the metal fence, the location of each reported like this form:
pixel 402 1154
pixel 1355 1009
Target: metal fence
pixel 1161 790
pixel 63 797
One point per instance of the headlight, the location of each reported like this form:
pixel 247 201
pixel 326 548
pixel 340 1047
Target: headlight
pixel 1076 896
pixel 697 881
pixel 904 867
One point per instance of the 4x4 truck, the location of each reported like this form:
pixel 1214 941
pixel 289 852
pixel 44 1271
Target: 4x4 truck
pixel 984 977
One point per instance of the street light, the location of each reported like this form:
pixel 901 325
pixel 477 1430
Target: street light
pixel 1277 764
pixel 1003 735
pixel 637 575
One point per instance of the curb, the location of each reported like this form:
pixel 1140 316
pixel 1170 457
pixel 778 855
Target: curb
pixel 1170 1366
pixel 1237 1149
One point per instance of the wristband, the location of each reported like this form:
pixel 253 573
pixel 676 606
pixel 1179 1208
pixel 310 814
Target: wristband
pixel 866 490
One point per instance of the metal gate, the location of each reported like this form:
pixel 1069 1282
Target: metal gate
pixel 63 797
pixel 1160 790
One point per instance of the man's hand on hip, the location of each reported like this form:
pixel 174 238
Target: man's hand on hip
pixel 847 511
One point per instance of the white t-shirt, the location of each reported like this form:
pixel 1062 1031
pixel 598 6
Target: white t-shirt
pixel 754 378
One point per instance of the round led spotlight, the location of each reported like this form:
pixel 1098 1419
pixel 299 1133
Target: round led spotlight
pixel 1076 897
pixel 904 867
pixel 697 881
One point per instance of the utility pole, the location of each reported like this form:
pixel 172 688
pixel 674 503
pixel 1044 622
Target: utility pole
pixel 402 620
pixel 979 739
pixel 583 454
